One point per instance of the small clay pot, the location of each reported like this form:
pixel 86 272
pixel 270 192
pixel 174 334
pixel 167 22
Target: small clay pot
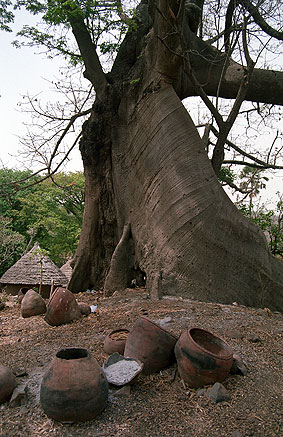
pixel 151 344
pixel 202 357
pixel 115 341
pixel 84 308
pixel 62 307
pixel 7 383
pixel 21 294
pixel 74 388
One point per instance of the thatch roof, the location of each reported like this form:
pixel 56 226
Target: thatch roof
pixel 27 270
pixel 67 269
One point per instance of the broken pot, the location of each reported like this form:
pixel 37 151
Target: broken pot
pixel 115 341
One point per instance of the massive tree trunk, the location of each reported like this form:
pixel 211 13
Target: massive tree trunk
pixel 154 207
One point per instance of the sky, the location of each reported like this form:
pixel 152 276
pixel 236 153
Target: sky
pixel 25 71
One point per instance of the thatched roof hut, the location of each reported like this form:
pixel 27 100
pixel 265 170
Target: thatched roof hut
pixel 28 271
pixel 67 269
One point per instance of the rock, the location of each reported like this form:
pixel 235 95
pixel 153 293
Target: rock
pixel 32 304
pixel 84 308
pixel 254 338
pixel 62 308
pixel 201 392
pixel 124 391
pixel 7 383
pixel 236 433
pixel 19 396
pixel 238 366
pixel 217 393
pixel 164 322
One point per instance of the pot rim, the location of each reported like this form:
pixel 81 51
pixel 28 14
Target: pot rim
pixel 69 349
pixel 228 350
pixel 160 327
pixel 117 330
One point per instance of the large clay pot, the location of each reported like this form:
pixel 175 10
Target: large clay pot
pixel 74 388
pixel 62 307
pixel 32 304
pixel 115 341
pixel 151 344
pixel 7 383
pixel 21 294
pixel 202 357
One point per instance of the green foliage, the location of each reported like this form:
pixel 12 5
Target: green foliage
pixel 6 16
pixel 226 175
pixel 50 213
pixel 12 244
pixel 270 221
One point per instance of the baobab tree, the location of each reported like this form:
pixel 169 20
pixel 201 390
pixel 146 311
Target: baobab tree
pixel 154 209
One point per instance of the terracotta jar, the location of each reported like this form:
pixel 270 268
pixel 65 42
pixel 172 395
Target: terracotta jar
pixel 151 344
pixel 202 357
pixel 7 383
pixel 62 307
pixel 74 388
pixel 115 341
pixel 21 294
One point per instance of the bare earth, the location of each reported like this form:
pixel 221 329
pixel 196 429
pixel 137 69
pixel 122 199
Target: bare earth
pixel 158 405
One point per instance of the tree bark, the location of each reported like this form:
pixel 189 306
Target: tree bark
pixel 153 203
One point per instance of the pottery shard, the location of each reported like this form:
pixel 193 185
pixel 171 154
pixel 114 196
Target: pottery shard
pixel 32 304
pixel 62 308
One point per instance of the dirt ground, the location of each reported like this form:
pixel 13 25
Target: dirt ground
pixel 159 404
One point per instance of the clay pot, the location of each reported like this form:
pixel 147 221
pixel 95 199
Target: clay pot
pixel 21 294
pixel 7 383
pixel 202 357
pixel 74 388
pixel 151 344
pixel 32 304
pixel 84 308
pixel 62 307
pixel 115 341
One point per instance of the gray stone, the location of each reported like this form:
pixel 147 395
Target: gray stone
pixel 123 392
pixel 218 393
pixel 238 366
pixel 19 396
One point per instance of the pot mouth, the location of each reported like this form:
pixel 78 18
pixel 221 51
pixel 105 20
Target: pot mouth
pixel 160 327
pixel 210 343
pixel 72 353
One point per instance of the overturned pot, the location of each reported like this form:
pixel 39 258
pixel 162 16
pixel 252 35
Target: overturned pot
pixel 74 388
pixel 151 344
pixel 21 294
pixel 202 357
pixel 115 341
pixel 62 307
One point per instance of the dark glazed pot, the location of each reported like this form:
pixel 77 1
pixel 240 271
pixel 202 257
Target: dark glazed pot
pixel 7 383
pixel 151 344
pixel 74 388
pixel 202 357
pixel 115 341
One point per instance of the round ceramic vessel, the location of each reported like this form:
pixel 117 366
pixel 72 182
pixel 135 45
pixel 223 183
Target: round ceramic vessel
pixel 151 344
pixel 202 357
pixel 74 388
pixel 115 341
pixel 7 383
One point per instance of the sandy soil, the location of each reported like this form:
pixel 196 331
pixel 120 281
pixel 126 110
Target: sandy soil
pixel 159 404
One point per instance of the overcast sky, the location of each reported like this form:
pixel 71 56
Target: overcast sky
pixel 23 72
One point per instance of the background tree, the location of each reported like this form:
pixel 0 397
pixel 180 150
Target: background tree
pixel 49 213
pixel 154 206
